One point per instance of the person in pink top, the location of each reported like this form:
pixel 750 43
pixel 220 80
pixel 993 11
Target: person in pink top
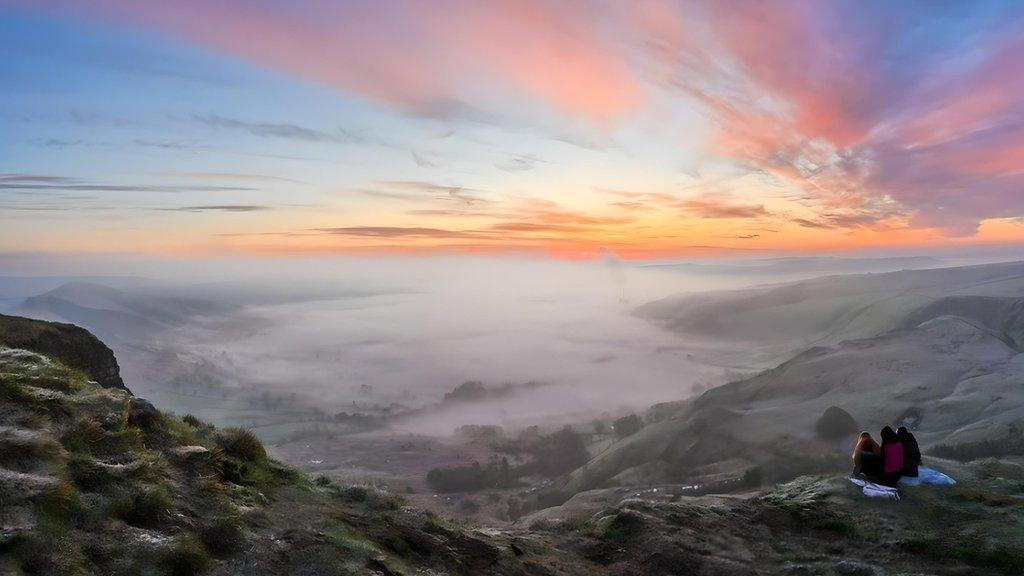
pixel 892 457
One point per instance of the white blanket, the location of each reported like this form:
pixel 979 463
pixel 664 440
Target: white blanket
pixel 873 490
pixel 924 476
pixel 927 476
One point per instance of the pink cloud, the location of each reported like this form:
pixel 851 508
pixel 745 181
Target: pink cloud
pixel 418 55
pixel 836 99
pixel 711 206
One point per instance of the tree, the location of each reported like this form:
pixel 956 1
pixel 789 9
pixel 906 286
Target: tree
pixel 627 425
pixel 563 451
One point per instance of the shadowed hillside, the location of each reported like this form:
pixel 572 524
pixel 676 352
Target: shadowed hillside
pixel 779 321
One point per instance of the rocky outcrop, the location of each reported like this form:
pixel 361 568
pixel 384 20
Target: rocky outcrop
pixel 835 423
pixel 74 346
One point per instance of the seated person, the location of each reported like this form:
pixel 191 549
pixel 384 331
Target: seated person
pixel 911 452
pixel 892 458
pixel 867 457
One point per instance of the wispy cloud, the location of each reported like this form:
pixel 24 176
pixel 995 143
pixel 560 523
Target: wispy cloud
pixel 422 161
pixel 35 183
pixel 712 207
pixel 536 227
pixel 33 178
pixel 278 130
pixel 118 188
pixel 423 191
pixel 219 208
pixel 170 145
pixel 835 221
pixel 396 232
pixel 518 163
pixel 226 177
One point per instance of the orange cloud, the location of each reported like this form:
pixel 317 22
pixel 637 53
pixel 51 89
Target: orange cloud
pixel 712 207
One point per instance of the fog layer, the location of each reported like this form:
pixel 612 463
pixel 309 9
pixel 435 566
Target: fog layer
pixel 280 345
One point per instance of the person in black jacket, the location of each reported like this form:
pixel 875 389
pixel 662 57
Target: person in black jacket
pixel 911 452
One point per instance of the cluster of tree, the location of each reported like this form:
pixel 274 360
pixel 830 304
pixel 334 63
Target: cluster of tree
pixel 497 474
pixel 468 391
pixel 621 427
pixel 475 390
pixel 627 425
pixel 358 419
pixel 479 431
pixel 559 453
pixel 549 456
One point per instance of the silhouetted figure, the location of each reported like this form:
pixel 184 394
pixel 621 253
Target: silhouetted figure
pixel 911 452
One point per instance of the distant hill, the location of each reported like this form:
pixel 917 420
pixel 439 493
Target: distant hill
pixel 115 313
pixel 943 345
pixel 803 266
pixel 25 286
pixel 778 321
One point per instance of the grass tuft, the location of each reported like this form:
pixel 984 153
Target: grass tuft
pixel 838 525
pixel 187 557
pixel 241 444
pixel 223 535
pixel 60 506
pixel 82 435
pixel 143 508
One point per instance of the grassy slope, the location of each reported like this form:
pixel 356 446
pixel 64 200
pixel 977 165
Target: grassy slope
pixel 95 483
pixel 812 525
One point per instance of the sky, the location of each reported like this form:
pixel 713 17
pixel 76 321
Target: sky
pixel 577 130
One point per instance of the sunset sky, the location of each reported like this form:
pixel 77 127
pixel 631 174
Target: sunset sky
pixel 573 129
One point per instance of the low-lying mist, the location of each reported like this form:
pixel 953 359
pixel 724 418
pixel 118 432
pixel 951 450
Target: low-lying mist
pixel 282 345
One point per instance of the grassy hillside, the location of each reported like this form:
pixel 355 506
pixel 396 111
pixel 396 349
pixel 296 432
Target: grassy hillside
pixel 94 481
pixel 813 525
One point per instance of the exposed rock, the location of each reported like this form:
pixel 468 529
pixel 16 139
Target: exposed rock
pixel 190 455
pixel 142 413
pixel 835 423
pixel 74 346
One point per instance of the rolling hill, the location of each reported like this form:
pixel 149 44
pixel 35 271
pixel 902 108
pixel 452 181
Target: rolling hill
pixel 941 348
